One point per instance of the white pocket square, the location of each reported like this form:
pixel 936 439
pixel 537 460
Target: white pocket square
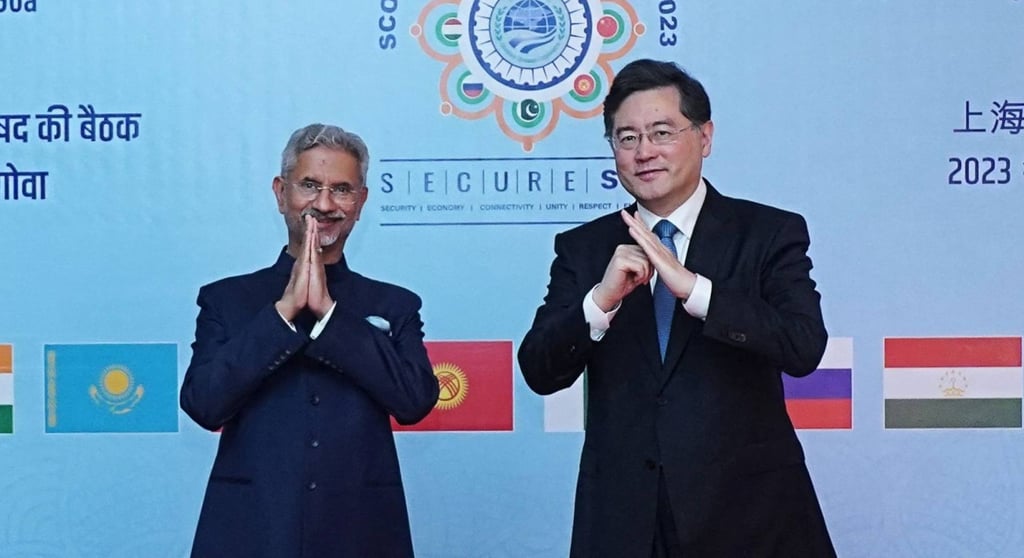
pixel 380 323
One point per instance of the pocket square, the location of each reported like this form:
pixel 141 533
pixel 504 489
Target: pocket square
pixel 380 323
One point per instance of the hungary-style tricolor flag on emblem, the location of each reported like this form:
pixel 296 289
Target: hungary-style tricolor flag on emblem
pixel 451 29
pixel 953 382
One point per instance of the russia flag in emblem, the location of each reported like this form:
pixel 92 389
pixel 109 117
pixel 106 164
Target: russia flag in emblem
pixel 472 88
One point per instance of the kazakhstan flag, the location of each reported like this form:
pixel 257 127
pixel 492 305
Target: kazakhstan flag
pixel 111 387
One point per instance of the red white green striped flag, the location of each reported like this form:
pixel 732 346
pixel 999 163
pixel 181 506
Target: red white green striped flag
pixel 953 382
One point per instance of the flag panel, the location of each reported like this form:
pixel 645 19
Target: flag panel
pixel 952 382
pixel 111 388
pixel 6 390
pixel 824 398
pixel 475 380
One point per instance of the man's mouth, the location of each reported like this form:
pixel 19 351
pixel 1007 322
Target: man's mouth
pixel 648 174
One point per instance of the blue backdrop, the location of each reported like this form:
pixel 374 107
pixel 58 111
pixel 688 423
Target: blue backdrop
pixel 138 141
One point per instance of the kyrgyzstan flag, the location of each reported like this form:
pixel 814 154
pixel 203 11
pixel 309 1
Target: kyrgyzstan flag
pixel 475 380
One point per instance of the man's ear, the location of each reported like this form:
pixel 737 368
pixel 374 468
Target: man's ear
pixel 278 187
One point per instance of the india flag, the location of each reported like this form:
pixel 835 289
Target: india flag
pixel 6 390
pixel 953 382
pixel 564 410
pixel 824 399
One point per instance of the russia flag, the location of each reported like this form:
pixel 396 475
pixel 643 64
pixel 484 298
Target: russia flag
pixel 824 399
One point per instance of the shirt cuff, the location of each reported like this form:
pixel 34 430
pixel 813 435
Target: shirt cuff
pixel 322 322
pixel 598 320
pixel 291 325
pixel 700 298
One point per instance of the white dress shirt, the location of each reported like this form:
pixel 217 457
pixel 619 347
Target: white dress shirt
pixel 318 327
pixel 684 218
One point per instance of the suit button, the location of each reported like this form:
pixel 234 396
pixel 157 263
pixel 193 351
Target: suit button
pixel 738 337
pixel 650 464
pixel 662 401
pixel 312 485
pixel 572 349
pixel 315 400
pixel 314 444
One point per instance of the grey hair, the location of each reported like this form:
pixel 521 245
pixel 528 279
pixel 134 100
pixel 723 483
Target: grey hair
pixel 325 135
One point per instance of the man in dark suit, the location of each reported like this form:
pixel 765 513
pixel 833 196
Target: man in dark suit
pixel 300 365
pixel 684 311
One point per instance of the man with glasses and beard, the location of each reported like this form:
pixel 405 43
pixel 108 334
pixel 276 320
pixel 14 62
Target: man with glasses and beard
pixel 684 310
pixel 300 366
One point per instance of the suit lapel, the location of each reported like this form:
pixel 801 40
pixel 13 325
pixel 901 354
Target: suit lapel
pixel 713 233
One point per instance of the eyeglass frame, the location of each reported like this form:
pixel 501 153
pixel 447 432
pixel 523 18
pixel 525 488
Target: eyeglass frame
pixel 672 138
pixel 347 195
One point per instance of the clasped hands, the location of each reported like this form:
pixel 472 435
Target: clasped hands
pixel 633 265
pixel 307 286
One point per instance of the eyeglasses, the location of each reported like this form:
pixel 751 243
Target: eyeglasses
pixel 628 140
pixel 309 190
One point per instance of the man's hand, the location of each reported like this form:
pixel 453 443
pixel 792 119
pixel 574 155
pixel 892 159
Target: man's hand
pixel 628 268
pixel 318 299
pixel 671 272
pixel 307 286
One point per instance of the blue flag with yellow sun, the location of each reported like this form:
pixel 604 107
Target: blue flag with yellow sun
pixel 111 387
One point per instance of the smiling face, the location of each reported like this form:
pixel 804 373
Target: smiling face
pixel 660 177
pixel 335 219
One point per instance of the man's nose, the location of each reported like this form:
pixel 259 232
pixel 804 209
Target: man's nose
pixel 323 199
pixel 644 149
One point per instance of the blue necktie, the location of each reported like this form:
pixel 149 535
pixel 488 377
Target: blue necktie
pixel 664 300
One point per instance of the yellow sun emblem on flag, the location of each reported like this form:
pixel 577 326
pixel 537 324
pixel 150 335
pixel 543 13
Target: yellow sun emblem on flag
pixel 453 384
pixel 117 390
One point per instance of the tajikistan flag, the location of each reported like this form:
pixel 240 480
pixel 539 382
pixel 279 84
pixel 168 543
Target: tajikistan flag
pixel 953 382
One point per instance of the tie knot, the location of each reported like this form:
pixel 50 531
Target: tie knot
pixel 665 229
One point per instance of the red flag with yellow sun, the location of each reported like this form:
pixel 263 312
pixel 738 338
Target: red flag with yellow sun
pixel 475 381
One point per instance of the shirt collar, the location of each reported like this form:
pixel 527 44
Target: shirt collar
pixel 333 271
pixel 684 217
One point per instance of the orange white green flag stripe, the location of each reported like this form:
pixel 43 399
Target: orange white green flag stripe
pixel 6 390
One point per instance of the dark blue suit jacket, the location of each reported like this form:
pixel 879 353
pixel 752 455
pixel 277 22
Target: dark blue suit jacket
pixel 712 417
pixel 306 465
